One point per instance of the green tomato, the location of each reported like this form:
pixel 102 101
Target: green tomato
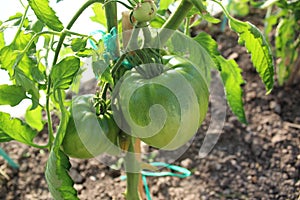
pixel 87 134
pixel 145 11
pixel 162 105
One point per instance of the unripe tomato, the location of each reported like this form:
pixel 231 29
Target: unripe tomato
pixel 87 134
pixel 145 11
pixel 162 105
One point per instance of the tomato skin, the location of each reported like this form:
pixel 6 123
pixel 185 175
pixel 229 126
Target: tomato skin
pixel 164 109
pixel 145 11
pixel 87 134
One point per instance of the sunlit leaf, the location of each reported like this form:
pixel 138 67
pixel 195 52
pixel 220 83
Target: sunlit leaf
pixel 46 14
pixel 99 14
pixel 78 44
pixel 16 16
pixel 2 41
pixel 34 118
pixel 230 74
pixel 15 129
pixel 63 73
pixel 11 94
pixel 59 181
pixel 163 5
pixel 29 85
pixel 257 46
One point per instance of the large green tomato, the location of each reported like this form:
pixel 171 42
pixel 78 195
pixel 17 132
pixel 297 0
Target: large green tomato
pixel 162 105
pixel 89 135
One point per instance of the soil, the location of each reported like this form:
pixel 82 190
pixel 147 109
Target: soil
pixel 257 161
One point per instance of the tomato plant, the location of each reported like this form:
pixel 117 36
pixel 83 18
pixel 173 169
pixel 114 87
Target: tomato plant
pixel 285 15
pixel 148 90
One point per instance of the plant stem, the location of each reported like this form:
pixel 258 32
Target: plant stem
pixel 137 148
pixel 70 24
pixel 63 122
pixel 21 24
pixel 175 20
pixel 132 167
pixel 187 27
pixel 111 14
pixel 58 48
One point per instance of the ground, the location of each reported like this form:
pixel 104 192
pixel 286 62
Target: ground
pixel 260 160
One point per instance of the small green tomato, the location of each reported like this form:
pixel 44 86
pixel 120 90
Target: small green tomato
pixel 145 11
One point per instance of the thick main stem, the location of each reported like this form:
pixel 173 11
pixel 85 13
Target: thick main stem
pixel 132 167
pixel 175 20
pixel 111 14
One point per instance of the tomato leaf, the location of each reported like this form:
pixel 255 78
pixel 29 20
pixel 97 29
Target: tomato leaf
pixel 230 74
pixel 11 94
pixel 46 14
pixel 257 46
pixel 7 59
pixel 63 73
pixel 78 44
pixel 102 70
pixel 34 118
pixel 15 129
pixel 232 80
pixel 59 181
pixel 99 14
pixel 164 5
pixel 2 41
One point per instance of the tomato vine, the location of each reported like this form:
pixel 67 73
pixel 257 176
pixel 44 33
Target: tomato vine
pixel 153 87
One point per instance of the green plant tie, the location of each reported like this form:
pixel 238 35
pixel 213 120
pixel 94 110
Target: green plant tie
pixel 182 173
pixel 8 159
pixel 110 46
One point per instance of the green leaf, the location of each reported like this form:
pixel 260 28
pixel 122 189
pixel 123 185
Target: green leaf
pixel 78 44
pixel 10 55
pixel 102 70
pixel 4 137
pixel 232 80
pixel 11 94
pixel 34 118
pixel 63 73
pixel 230 74
pixel 29 86
pixel 2 41
pixel 17 16
pixel 37 26
pixel 210 18
pixel 59 181
pixel 157 22
pixel 7 59
pixel 99 14
pixel 46 14
pixel 15 129
pixel 85 53
pixel 257 46
pixel 164 5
